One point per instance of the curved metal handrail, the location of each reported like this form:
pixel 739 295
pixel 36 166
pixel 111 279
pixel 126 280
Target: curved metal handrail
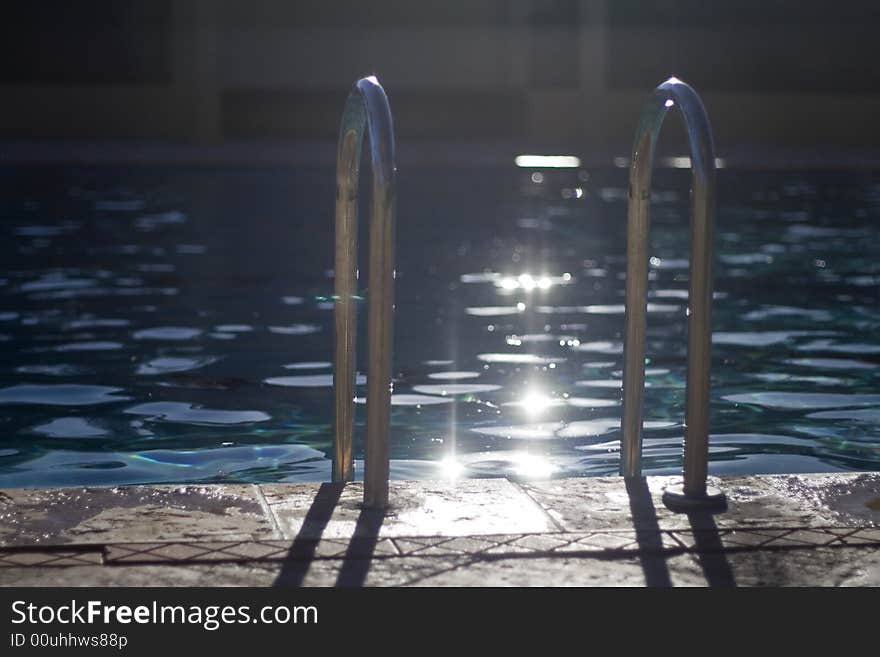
pixel 671 93
pixel 366 110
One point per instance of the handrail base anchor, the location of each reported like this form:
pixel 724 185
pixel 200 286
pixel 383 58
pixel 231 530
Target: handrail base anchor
pixel 677 500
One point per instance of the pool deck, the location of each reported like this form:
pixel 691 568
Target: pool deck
pixel 778 530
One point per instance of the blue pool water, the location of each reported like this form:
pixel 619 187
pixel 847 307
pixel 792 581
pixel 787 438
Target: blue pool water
pixel 175 325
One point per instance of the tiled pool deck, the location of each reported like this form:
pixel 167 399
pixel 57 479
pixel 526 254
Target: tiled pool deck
pixel 801 530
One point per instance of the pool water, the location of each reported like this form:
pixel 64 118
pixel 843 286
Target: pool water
pixel 175 325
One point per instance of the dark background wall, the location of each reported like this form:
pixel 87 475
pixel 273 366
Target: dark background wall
pixel 531 72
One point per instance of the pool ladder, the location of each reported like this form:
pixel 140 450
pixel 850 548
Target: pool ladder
pixel 367 110
pixel 694 492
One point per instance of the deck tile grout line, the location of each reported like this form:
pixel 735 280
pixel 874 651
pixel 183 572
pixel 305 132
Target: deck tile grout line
pixel 544 510
pixel 622 552
pixel 267 510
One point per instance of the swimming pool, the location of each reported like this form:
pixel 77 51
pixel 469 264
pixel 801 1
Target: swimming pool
pixel 175 324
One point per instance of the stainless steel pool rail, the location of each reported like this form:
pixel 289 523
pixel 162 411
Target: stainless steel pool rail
pixel 694 491
pixel 366 110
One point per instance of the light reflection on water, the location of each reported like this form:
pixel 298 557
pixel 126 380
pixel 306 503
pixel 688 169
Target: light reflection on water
pixel 172 325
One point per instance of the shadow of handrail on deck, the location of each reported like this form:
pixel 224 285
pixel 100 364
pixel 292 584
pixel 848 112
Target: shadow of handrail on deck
pixel 710 550
pixel 708 547
pixel 359 555
pixel 648 536
pixel 299 557
pixel 356 562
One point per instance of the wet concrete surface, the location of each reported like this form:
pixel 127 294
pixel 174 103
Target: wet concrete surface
pixel 778 530
pixel 417 508
pixel 52 516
